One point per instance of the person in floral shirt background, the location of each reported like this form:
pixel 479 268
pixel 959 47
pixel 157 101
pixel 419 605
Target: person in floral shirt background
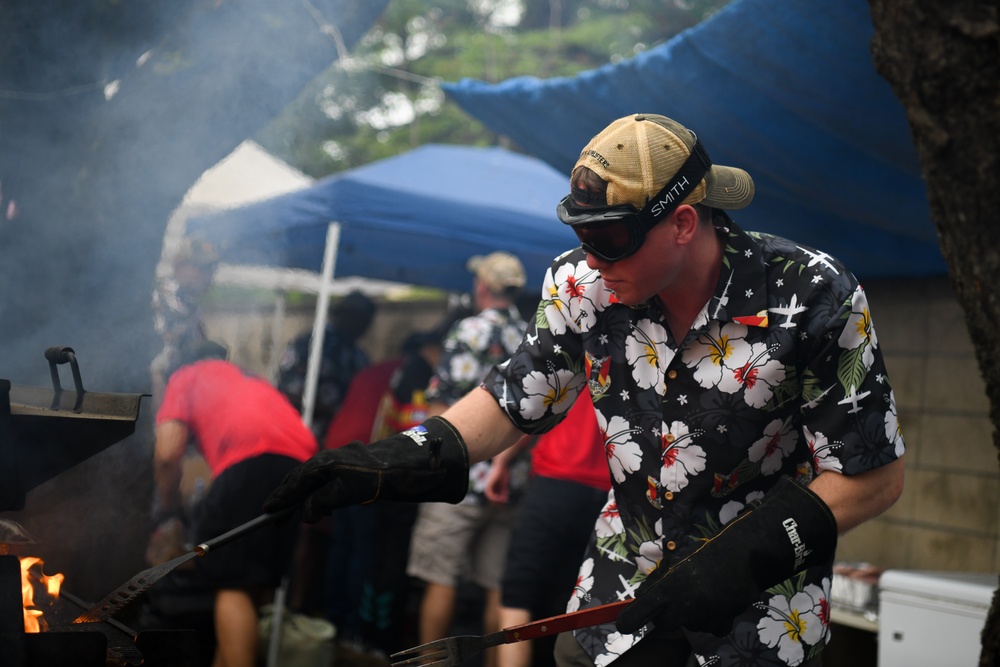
pixel 341 358
pixel 740 387
pixel 181 284
pixel 468 540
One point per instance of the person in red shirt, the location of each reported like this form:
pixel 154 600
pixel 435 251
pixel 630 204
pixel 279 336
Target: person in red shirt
pixel 251 437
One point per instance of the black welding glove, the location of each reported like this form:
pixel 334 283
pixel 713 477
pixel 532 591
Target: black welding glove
pixel 788 530
pixel 428 463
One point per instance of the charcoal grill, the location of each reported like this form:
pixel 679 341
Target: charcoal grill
pixel 45 432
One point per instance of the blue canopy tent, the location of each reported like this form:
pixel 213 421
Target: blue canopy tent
pixel 414 218
pixel 785 89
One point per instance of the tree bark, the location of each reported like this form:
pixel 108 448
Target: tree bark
pixel 943 62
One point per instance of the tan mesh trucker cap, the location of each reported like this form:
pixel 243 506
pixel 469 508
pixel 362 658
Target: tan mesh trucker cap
pixel 638 154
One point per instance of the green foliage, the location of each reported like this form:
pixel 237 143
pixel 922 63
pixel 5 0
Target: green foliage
pixel 385 98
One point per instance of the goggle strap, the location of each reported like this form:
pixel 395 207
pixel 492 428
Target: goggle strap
pixel 677 188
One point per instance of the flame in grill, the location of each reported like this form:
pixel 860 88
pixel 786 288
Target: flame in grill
pixel 33 621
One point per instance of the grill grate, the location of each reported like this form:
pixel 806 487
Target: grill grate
pixel 44 432
pixel 64 644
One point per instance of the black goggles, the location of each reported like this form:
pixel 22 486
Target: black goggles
pixel 613 233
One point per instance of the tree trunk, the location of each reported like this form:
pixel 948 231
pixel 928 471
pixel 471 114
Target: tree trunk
pixel 943 61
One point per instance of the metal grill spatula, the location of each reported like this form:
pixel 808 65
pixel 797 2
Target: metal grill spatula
pixel 451 651
pixel 140 583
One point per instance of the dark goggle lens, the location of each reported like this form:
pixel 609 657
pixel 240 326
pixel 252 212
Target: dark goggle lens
pixel 611 233
pixel 610 241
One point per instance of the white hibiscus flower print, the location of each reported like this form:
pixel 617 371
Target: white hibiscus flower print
pixel 575 294
pixel 616 644
pixel 609 521
pixel 464 367
pixel 859 331
pixel 649 556
pixel 477 476
pixel 682 458
pixel 545 393
pixel 624 455
pixel 474 332
pixel 892 426
pixel 778 442
pixel 716 355
pixel 584 582
pixel 511 338
pixel 731 509
pixel 758 376
pixel 792 623
pixel 822 451
pixel 647 352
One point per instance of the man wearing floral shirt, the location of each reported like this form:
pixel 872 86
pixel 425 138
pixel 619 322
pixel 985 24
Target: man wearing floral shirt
pixel 743 397
pixel 469 539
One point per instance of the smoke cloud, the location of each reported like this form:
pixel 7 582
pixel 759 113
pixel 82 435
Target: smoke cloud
pixel 109 112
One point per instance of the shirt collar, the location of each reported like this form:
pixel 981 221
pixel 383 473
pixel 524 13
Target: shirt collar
pixel 741 295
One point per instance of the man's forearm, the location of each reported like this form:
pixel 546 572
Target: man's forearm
pixel 857 498
pixel 485 428
pixel 168 478
pixel 171 441
pixel 509 455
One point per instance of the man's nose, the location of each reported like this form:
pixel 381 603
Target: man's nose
pixel 594 262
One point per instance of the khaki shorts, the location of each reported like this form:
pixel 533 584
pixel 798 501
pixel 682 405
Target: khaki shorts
pixel 455 542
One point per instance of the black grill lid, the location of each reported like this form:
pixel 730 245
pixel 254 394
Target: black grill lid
pixel 44 432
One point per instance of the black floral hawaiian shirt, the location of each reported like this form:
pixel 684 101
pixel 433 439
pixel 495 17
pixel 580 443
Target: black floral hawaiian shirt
pixel 340 360
pixel 781 374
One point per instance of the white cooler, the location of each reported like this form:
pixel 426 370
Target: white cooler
pixel 932 619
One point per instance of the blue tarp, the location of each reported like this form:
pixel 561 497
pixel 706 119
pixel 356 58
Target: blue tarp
pixel 414 218
pixel 785 89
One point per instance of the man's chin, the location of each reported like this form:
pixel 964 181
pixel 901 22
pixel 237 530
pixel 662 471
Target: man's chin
pixel 628 297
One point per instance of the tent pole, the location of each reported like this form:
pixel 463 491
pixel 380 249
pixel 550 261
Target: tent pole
pixel 319 324
pixel 277 325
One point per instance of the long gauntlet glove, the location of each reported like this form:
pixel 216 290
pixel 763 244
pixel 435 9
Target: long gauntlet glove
pixel 427 463
pixel 788 530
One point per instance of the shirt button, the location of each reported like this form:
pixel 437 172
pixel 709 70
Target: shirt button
pixel 671 545
pixel 669 437
pixel 669 495
pixel 672 375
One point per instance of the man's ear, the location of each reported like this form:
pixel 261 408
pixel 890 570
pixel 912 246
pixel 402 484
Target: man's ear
pixel 687 223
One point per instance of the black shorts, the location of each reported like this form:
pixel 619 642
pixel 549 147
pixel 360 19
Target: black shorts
pixel 554 523
pixel 261 557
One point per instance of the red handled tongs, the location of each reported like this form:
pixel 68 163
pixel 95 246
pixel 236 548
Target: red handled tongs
pixel 451 651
